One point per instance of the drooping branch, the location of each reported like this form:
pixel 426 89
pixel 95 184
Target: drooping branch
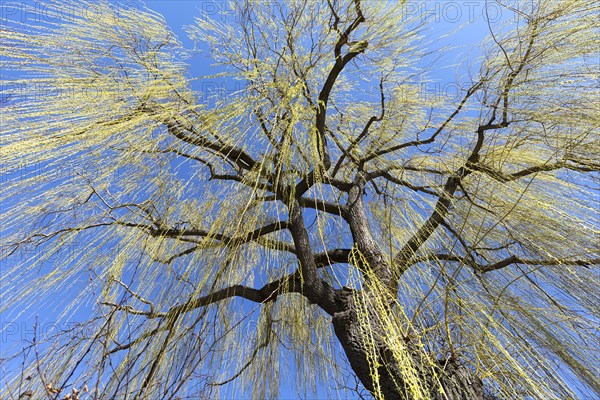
pixel 550 262
pixel 214 175
pixel 516 71
pixel 323 259
pixel 227 240
pixel 158 229
pixel 269 292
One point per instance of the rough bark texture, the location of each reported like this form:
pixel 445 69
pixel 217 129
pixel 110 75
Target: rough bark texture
pixel 452 381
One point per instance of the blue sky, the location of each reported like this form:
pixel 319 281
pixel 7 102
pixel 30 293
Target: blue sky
pixel 464 17
pixel 463 22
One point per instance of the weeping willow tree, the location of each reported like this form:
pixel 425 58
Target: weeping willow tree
pixel 326 218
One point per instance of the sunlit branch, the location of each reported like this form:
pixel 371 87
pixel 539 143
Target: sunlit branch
pixel 515 72
pixel 220 176
pixel 471 199
pixel 323 259
pixel 267 293
pixel 468 249
pixel 263 126
pixel 139 339
pixel 261 346
pixel 228 240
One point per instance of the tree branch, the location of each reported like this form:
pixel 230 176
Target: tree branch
pixel 429 140
pixel 443 204
pixel 534 169
pixel 325 206
pixel 336 256
pixel 364 132
pixel 336 69
pixel 385 174
pixel 517 260
pixel 229 152
pixel 505 262
pixel 269 292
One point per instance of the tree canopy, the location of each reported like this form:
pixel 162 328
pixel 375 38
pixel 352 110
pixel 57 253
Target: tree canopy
pixel 326 219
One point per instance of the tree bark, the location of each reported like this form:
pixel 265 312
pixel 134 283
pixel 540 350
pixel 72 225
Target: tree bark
pixel 445 380
pixel 370 357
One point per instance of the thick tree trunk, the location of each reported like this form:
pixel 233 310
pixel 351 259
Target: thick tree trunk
pixel 370 357
pixel 450 381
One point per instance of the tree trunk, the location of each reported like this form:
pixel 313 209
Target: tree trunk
pixel 450 381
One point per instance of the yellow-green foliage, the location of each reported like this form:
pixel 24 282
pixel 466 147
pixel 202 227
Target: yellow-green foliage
pixel 94 177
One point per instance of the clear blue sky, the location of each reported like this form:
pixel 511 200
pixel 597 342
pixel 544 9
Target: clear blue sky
pixel 447 16
pixel 463 16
